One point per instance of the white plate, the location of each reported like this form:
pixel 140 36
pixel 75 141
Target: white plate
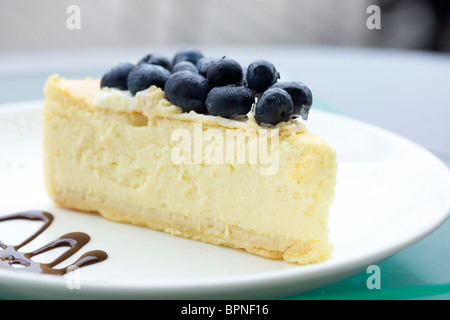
pixel 390 194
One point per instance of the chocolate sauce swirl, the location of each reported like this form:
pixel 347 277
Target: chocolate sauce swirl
pixel 11 254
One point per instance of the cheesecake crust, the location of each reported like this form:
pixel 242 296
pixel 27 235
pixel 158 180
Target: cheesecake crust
pixel 201 229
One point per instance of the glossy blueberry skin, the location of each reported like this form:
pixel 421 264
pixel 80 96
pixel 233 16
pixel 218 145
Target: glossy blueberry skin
pixel 187 90
pixel 184 65
pixel 191 55
pixel 203 65
pixel 301 97
pixel 223 72
pixel 158 59
pixel 229 101
pixel 117 76
pixel 260 75
pixel 275 105
pixel 146 75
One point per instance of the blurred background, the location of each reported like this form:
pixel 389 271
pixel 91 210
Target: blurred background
pixel 410 24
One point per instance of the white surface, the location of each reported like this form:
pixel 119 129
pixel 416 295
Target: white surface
pixel 390 194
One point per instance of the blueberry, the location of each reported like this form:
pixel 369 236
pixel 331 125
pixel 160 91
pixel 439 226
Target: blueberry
pixel 158 59
pixel 224 71
pixel 229 101
pixel 191 55
pixel 203 65
pixel 184 65
pixel 117 76
pixel 261 74
pixel 301 97
pixel 188 90
pixel 146 75
pixel 275 105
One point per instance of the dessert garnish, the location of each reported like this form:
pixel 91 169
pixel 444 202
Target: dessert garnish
pixel 229 101
pixel 301 97
pixel 12 258
pixel 188 54
pixel 223 72
pixel 187 90
pixel 203 65
pixel 157 59
pixel 117 77
pixel 205 85
pixel 261 74
pixel 185 65
pixel 274 106
pixel 145 75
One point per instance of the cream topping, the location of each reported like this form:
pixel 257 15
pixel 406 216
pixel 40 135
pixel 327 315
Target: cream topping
pixel 153 104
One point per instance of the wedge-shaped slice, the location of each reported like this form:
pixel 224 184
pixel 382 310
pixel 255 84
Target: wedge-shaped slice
pixel 141 160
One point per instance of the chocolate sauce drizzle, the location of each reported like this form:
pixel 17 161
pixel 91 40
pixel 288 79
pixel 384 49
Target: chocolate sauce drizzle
pixel 10 254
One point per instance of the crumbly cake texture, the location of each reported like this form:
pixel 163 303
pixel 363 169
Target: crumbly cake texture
pixel 108 153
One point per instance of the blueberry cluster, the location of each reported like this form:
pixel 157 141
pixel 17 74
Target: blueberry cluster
pixel 216 86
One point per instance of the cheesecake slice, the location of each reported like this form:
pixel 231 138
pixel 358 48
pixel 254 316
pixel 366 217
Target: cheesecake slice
pixel 140 159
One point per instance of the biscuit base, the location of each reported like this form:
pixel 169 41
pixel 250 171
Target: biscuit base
pixel 201 229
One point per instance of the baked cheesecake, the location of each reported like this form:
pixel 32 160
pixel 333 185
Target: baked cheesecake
pixel 193 170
